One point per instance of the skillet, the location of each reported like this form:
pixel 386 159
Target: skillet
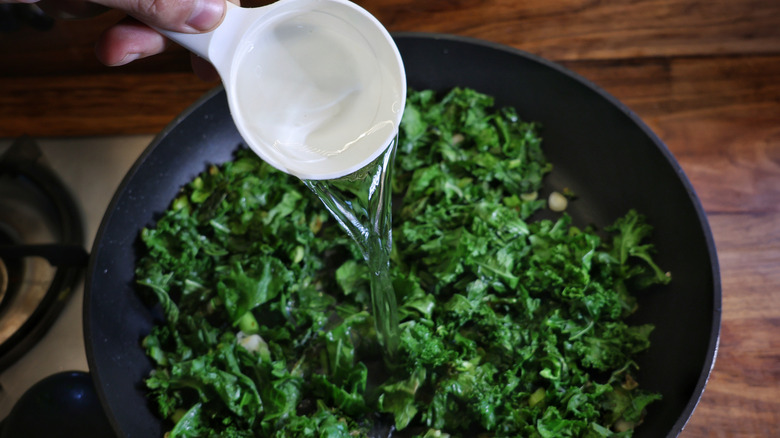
pixel 598 147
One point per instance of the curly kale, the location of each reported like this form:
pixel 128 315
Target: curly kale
pixel 510 325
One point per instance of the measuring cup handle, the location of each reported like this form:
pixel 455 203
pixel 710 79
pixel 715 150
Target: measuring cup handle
pixel 217 45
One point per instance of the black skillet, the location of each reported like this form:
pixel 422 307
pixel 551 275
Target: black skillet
pixel 598 147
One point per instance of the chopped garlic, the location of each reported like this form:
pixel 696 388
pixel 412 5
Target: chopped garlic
pixel 251 343
pixel 531 196
pixel 557 202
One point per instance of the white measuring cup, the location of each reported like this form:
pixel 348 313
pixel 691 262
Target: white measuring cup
pixel 316 88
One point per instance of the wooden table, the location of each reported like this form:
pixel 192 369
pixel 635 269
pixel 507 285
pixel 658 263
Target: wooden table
pixel 703 74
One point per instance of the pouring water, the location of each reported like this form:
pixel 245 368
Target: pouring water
pixel 317 89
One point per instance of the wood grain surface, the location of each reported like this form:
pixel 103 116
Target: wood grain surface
pixel 703 74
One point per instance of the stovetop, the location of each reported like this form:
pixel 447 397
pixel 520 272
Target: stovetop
pixel 91 169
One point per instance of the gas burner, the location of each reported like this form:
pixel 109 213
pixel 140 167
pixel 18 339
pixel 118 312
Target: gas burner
pixel 41 249
pixel 3 280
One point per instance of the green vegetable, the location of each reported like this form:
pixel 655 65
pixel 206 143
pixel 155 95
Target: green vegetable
pixel 510 326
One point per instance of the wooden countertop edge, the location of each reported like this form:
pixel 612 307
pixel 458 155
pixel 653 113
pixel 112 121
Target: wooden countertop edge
pixel 116 102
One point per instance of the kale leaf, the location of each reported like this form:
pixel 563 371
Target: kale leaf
pixel 510 325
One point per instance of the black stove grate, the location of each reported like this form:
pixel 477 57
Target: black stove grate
pixel 41 248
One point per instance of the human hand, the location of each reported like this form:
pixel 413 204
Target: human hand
pixel 131 39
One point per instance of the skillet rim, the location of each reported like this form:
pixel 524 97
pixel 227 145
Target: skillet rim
pixel 703 224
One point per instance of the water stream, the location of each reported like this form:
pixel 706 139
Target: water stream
pixel 361 203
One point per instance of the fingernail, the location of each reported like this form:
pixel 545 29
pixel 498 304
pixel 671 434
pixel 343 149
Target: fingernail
pixel 130 57
pixel 206 14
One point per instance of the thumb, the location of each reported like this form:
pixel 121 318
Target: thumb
pixel 189 16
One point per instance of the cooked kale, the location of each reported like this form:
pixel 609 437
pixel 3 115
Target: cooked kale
pixel 510 325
